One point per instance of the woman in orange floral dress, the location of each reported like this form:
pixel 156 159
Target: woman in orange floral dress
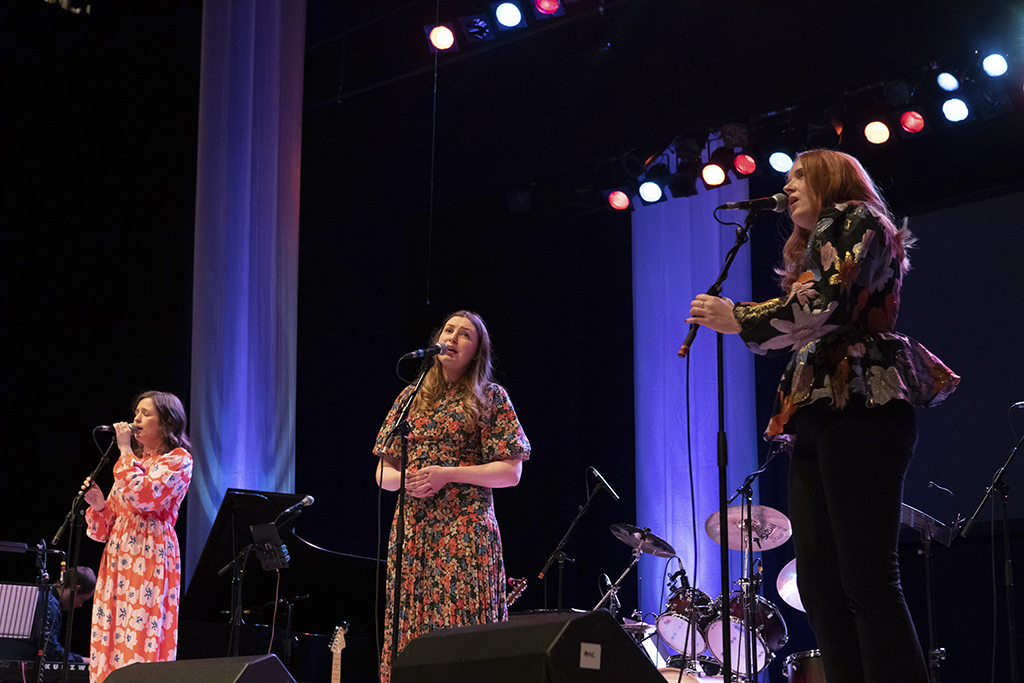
pixel 846 402
pixel 135 609
pixel 465 440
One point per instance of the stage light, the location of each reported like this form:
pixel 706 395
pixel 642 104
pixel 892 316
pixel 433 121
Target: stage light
pixel 994 65
pixel 441 37
pixel 652 189
pixel 618 200
pixel 651 192
pixel 780 161
pixel 912 121
pixel 876 132
pixel 683 183
pixel 713 175
pixel 947 81
pixel 744 163
pixel 508 15
pixel 542 9
pixel 955 110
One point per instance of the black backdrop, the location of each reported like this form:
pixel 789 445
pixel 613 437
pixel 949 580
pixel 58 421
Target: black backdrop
pixel 98 156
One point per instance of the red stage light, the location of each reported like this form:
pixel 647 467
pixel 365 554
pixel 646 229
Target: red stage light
pixel 912 121
pixel 744 163
pixel 546 6
pixel 618 200
pixel 442 38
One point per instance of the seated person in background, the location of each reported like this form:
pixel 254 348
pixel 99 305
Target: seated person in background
pixel 59 599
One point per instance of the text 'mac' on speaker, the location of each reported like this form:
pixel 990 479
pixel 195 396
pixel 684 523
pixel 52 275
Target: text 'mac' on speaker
pixel 252 669
pixel 573 647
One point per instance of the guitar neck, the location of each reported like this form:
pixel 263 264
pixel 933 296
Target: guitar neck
pixel 336 668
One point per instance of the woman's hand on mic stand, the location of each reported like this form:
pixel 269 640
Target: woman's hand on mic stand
pixel 714 313
pixel 93 495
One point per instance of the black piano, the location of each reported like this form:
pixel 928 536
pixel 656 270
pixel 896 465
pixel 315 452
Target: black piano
pixel 320 590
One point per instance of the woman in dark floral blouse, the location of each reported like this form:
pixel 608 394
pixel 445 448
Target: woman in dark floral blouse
pixel 465 441
pixel 845 403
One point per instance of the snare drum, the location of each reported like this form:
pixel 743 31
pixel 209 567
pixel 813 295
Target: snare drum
pixel 685 618
pixel 804 667
pixel 769 632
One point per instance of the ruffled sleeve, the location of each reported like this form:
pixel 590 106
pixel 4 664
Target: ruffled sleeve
pixel 99 522
pixel 501 435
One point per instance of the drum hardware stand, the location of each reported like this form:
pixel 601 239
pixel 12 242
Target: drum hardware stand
pixel 614 588
pixel 1000 486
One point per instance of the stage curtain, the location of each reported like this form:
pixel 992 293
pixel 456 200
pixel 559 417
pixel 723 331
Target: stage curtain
pixel 246 255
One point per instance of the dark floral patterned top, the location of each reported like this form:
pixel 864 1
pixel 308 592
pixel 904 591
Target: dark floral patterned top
pixel 452 570
pixel 839 319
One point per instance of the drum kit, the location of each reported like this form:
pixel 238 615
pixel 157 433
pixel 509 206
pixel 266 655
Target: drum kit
pixel 696 626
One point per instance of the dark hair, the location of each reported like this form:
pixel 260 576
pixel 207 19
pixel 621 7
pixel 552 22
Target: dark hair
pixel 173 421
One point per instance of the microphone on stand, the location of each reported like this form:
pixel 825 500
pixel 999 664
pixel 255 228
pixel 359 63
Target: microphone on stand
pixel 778 203
pixel 613 600
pixel 601 482
pixel 305 502
pixel 110 428
pixel 438 349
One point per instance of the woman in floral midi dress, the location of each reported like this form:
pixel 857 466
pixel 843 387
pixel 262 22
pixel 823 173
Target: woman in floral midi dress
pixel 846 404
pixel 135 608
pixel 465 440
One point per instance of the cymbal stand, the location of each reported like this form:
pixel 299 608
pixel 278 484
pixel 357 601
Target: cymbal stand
pixel 614 588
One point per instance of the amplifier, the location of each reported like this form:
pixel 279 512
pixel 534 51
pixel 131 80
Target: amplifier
pixel 14 671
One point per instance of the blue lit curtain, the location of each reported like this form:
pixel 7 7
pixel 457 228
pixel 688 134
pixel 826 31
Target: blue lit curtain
pixel 678 251
pixel 246 255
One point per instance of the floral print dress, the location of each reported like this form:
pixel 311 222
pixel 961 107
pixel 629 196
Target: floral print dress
pixel 838 320
pixel 452 570
pixel 135 608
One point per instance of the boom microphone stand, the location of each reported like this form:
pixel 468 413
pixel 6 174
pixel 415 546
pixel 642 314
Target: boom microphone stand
pixel 723 448
pixel 999 485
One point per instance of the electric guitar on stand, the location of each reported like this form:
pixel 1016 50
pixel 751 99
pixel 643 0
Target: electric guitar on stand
pixel 337 645
pixel 516 586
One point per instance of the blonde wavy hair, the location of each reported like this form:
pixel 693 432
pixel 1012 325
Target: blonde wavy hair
pixel 832 177
pixel 476 379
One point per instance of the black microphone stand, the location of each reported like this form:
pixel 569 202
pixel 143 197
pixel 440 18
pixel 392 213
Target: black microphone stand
pixel 401 428
pixel 999 485
pixel 723 448
pixel 74 519
pixel 237 565
pixel 558 554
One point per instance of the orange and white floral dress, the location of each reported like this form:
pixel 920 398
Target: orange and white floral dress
pixel 135 609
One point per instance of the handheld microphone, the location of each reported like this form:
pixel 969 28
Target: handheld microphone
pixel 438 349
pixel 777 202
pixel 601 482
pixel 110 428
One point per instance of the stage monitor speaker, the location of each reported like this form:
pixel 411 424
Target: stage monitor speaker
pixel 554 647
pixel 252 669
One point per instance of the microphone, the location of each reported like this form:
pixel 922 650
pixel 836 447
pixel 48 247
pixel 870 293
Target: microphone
pixel 305 502
pixel 684 583
pixel 110 428
pixel 777 202
pixel 601 482
pixel 438 349
pixel 613 599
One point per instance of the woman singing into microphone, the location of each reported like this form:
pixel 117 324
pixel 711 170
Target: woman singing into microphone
pixel 846 402
pixel 135 608
pixel 465 441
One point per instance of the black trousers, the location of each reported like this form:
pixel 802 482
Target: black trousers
pixel 845 492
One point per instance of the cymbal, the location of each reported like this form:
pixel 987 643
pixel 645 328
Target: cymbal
pixel 770 527
pixel 786 583
pixel 638 628
pixel 643 539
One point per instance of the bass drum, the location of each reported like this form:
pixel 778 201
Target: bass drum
pixel 684 621
pixel 770 633
pixel 804 667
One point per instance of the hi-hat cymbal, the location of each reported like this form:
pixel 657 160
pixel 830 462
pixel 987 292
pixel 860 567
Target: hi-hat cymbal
pixel 643 539
pixel 786 583
pixel 770 528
